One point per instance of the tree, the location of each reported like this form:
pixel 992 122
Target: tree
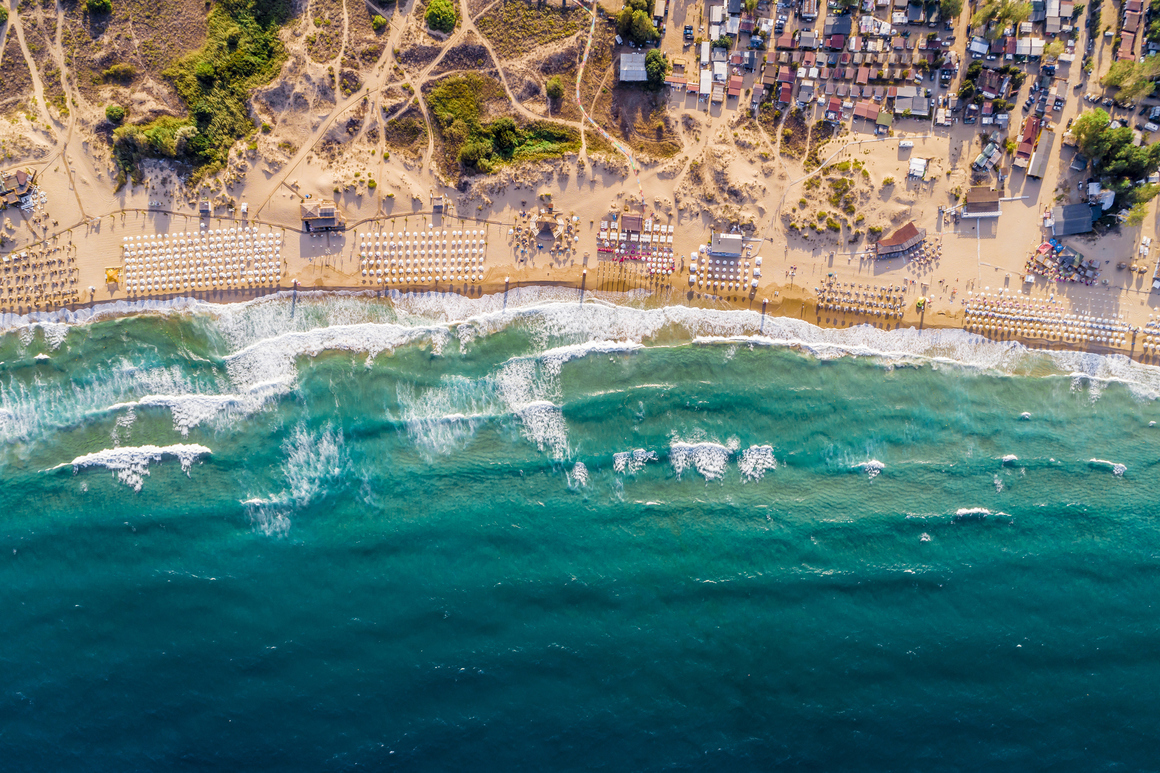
pixel 986 14
pixel 1053 49
pixel 115 114
pixel 555 87
pixel 950 9
pixel 642 29
pixel 3 14
pixel 99 7
pixel 1089 130
pixel 1135 90
pixel 1014 13
pixel 1136 214
pixel 749 5
pixel 441 15
pixel 657 68
pixel 504 135
pixel 378 22
pixel 1119 73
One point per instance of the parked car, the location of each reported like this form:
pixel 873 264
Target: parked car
pixel 1151 127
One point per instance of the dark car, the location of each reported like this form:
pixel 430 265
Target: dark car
pixel 688 32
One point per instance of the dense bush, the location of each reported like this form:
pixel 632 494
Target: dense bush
pixel 378 22
pixel 115 113
pixel 119 72
pixel 441 15
pixel 555 87
pixel 97 7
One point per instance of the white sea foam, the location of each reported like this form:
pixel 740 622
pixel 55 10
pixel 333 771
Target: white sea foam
pixel 755 461
pixel 1117 469
pixel 269 516
pixel 314 460
pixel 966 511
pixel 130 464
pixel 872 468
pixel 707 458
pixel 1025 416
pixel 555 315
pixel 265 337
pixel 441 420
pixel 578 478
pixel 632 462
pixel 1010 458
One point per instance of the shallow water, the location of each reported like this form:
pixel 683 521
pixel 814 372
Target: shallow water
pixel 525 533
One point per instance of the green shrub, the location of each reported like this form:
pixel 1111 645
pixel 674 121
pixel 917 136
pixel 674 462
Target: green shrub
pixel 378 22
pixel 887 181
pixel 204 71
pixel 98 7
pixel 371 184
pixel 441 15
pixel 115 113
pixel 555 87
pixel 266 128
pixel 3 14
pixel 119 72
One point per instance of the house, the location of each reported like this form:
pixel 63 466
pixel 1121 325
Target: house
pixel 989 83
pixel 659 10
pixel 1027 141
pixel 1038 165
pixel 809 10
pixel 322 215
pixel 905 238
pixel 716 14
pixel 808 39
pixel 982 201
pixel 437 204
pixel 16 188
pixel 730 245
pixel 1131 22
pixel 1127 46
pixel 204 209
pixel 632 223
pixel 1072 219
pixel 632 68
pixel 734 7
pixel 914 13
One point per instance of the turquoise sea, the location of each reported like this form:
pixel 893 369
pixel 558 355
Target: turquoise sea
pixel 528 533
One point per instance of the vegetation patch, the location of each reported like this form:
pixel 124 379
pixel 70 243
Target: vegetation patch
pixel 15 77
pixel 516 27
pixel 242 51
pixel 407 133
pixel 324 30
pixel 795 134
pixel 471 142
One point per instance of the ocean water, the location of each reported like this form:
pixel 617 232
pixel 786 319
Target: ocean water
pixel 530 533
